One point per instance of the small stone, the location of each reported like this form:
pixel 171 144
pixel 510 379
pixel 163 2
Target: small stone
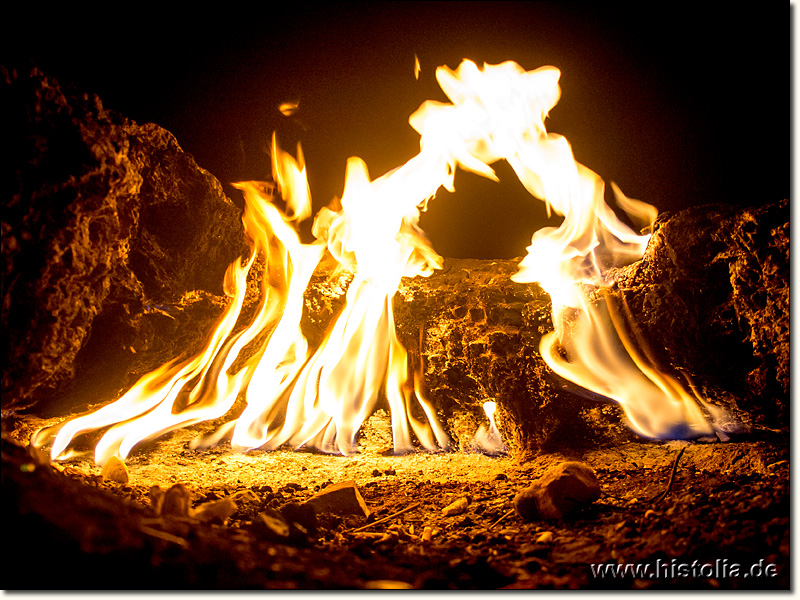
pixel 176 501
pixel 427 534
pixel 301 516
pixel 387 584
pixel 342 498
pixel 270 525
pixel 455 508
pixel 561 491
pixel 545 537
pixel 217 509
pixel 156 498
pixel 115 470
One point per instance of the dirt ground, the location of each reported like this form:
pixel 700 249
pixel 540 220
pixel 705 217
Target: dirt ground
pixel 686 515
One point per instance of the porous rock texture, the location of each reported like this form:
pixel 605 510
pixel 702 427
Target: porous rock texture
pixel 114 245
pixel 711 296
pixel 709 300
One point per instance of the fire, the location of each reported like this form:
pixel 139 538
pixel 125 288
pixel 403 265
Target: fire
pixel 489 440
pixel 320 397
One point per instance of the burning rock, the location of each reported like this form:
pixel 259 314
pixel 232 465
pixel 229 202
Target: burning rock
pixel 713 289
pixel 114 242
pixel 477 329
pixel 560 492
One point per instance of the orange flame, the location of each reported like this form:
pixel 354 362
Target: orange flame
pixel 320 398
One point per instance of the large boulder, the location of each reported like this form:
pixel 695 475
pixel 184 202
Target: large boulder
pixel 111 236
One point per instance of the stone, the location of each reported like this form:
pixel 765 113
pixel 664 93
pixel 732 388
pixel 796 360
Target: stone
pixel 220 510
pixel 115 470
pixel 343 498
pixel 560 492
pixel 271 526
pixel 711 295
pixel 177 501
pixel 114 242
pixel 455 508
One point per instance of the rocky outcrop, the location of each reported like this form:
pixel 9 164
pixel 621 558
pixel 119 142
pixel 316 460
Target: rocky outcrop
pixel 711 294
pixel 115 243
pixel 113 240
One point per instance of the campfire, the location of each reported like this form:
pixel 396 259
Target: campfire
pixel 353 410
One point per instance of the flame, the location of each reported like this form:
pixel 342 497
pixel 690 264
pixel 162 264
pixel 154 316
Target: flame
pixel 489 440
pixel 319 398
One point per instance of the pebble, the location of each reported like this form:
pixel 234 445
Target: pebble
pixel 561 491
pixel 221 509
pixel 545 537
pixel 455 508
pixel 342 498
pixel 115 470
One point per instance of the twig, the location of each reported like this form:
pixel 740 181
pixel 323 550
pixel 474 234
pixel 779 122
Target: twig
pixel 384 519
pixel 163 535
pixel 663 494
pixel 509 512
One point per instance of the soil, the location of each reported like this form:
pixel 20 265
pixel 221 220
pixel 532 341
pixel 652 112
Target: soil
pixel 697 515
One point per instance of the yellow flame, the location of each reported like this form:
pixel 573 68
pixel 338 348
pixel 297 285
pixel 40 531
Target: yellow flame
pixel 320 397
pixel 489 440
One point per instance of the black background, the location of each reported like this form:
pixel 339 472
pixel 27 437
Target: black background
pixel 679 104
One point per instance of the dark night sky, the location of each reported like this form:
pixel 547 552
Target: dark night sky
pixel 677 104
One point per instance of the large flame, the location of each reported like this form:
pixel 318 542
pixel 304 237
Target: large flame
pixel 320 397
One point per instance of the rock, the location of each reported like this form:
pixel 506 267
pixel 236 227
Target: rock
pixel 387 584
pixel 455 508
pixel 343 498
pixel 560 492
pixel 711 295
pixel 115 470
pixel 176 501
pixel 294 525
pixel 271 526
pixel 114 241
pixel 220 510
pixel 302 517
pixel 545 537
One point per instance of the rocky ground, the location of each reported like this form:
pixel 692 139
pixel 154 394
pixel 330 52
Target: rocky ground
pixel 698 516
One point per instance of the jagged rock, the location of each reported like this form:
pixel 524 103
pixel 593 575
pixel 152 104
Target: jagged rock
pixel 111 236
pixel 711 295
pixel 343 498
pixel 115 245
pixel 479 334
